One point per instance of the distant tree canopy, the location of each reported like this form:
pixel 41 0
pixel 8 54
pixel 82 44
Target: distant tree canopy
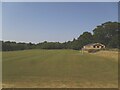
pixel 106 33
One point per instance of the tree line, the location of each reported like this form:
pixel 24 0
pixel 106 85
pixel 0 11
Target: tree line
pixel 106 33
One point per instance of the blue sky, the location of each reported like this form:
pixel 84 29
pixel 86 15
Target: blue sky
pixel 60 0
pixel 0 21
pixel 37 22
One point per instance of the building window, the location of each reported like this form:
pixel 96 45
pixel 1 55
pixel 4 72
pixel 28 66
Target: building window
pixel 97 46
pixel 102 46
pixel 94 46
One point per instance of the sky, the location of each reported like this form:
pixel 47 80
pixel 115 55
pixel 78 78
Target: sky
pixel 60 0
pixel 50 21
pixel 0 21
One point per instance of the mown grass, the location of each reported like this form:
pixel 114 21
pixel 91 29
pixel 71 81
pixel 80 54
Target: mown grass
pixel 58 68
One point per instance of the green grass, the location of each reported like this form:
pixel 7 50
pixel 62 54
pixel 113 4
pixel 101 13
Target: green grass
pixel 58 68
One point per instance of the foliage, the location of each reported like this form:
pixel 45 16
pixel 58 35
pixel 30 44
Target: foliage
pixel 106 33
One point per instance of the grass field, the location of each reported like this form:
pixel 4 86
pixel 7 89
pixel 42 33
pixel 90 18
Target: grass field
pixel 59 68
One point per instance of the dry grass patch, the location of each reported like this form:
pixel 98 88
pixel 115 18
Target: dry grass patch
pixel 108 54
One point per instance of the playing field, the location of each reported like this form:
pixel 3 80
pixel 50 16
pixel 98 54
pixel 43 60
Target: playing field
pixel 58 68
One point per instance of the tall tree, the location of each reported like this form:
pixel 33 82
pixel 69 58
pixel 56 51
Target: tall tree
pixel 85 38
pixel 106 32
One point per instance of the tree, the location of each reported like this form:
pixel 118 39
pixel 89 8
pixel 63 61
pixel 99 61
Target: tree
pixel 114 42
pixel 106 33
pixel 85 38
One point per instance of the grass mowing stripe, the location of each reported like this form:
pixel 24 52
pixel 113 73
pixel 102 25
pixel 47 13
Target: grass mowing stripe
pixel 69 67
